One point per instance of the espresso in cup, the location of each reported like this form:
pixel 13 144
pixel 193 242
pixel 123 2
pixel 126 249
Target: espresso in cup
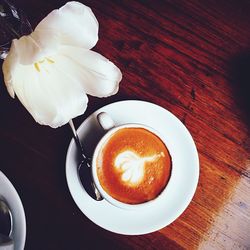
pixel 133 165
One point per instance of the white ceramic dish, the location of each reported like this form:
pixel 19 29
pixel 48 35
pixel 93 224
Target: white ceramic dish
pixel 19 222
pixel 183 182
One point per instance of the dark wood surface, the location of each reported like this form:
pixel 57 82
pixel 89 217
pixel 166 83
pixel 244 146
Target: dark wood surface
pixel 190 57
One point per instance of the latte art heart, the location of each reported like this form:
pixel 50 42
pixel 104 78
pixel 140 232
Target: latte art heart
pixel 132 165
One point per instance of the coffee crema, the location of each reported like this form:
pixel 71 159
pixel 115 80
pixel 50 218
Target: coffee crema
pixel 133 165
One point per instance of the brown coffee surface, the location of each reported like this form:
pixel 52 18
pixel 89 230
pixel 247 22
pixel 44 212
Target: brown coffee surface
pixel 133 165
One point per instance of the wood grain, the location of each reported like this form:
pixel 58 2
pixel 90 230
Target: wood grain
pixel 190 57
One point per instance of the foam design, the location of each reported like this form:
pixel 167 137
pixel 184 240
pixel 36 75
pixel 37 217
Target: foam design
pixel 132 165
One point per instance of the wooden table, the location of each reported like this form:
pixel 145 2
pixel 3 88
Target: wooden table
pixel 190 57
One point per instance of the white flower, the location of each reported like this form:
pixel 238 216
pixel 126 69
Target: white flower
pixel 52 69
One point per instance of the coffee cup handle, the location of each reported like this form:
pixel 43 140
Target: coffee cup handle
pixel 105 121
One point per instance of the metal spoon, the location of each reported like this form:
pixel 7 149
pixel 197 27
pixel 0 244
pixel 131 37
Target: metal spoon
pixel 5 223
pixel 84 168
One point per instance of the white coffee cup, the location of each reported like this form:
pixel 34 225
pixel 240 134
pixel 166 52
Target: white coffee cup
pixel 108 125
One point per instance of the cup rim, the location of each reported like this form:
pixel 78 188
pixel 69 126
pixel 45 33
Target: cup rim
pixel 104 194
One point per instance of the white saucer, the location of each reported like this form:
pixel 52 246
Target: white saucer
pixel 9 193
pixel 182 185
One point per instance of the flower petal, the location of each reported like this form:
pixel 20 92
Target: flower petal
pixel 99 76
pixel 75 22
pixel 51 97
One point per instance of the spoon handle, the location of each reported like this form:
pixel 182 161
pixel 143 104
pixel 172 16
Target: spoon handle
pixel 78 143
pixel 84 168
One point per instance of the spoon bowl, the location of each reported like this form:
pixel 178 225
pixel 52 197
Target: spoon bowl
pixel 6 224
